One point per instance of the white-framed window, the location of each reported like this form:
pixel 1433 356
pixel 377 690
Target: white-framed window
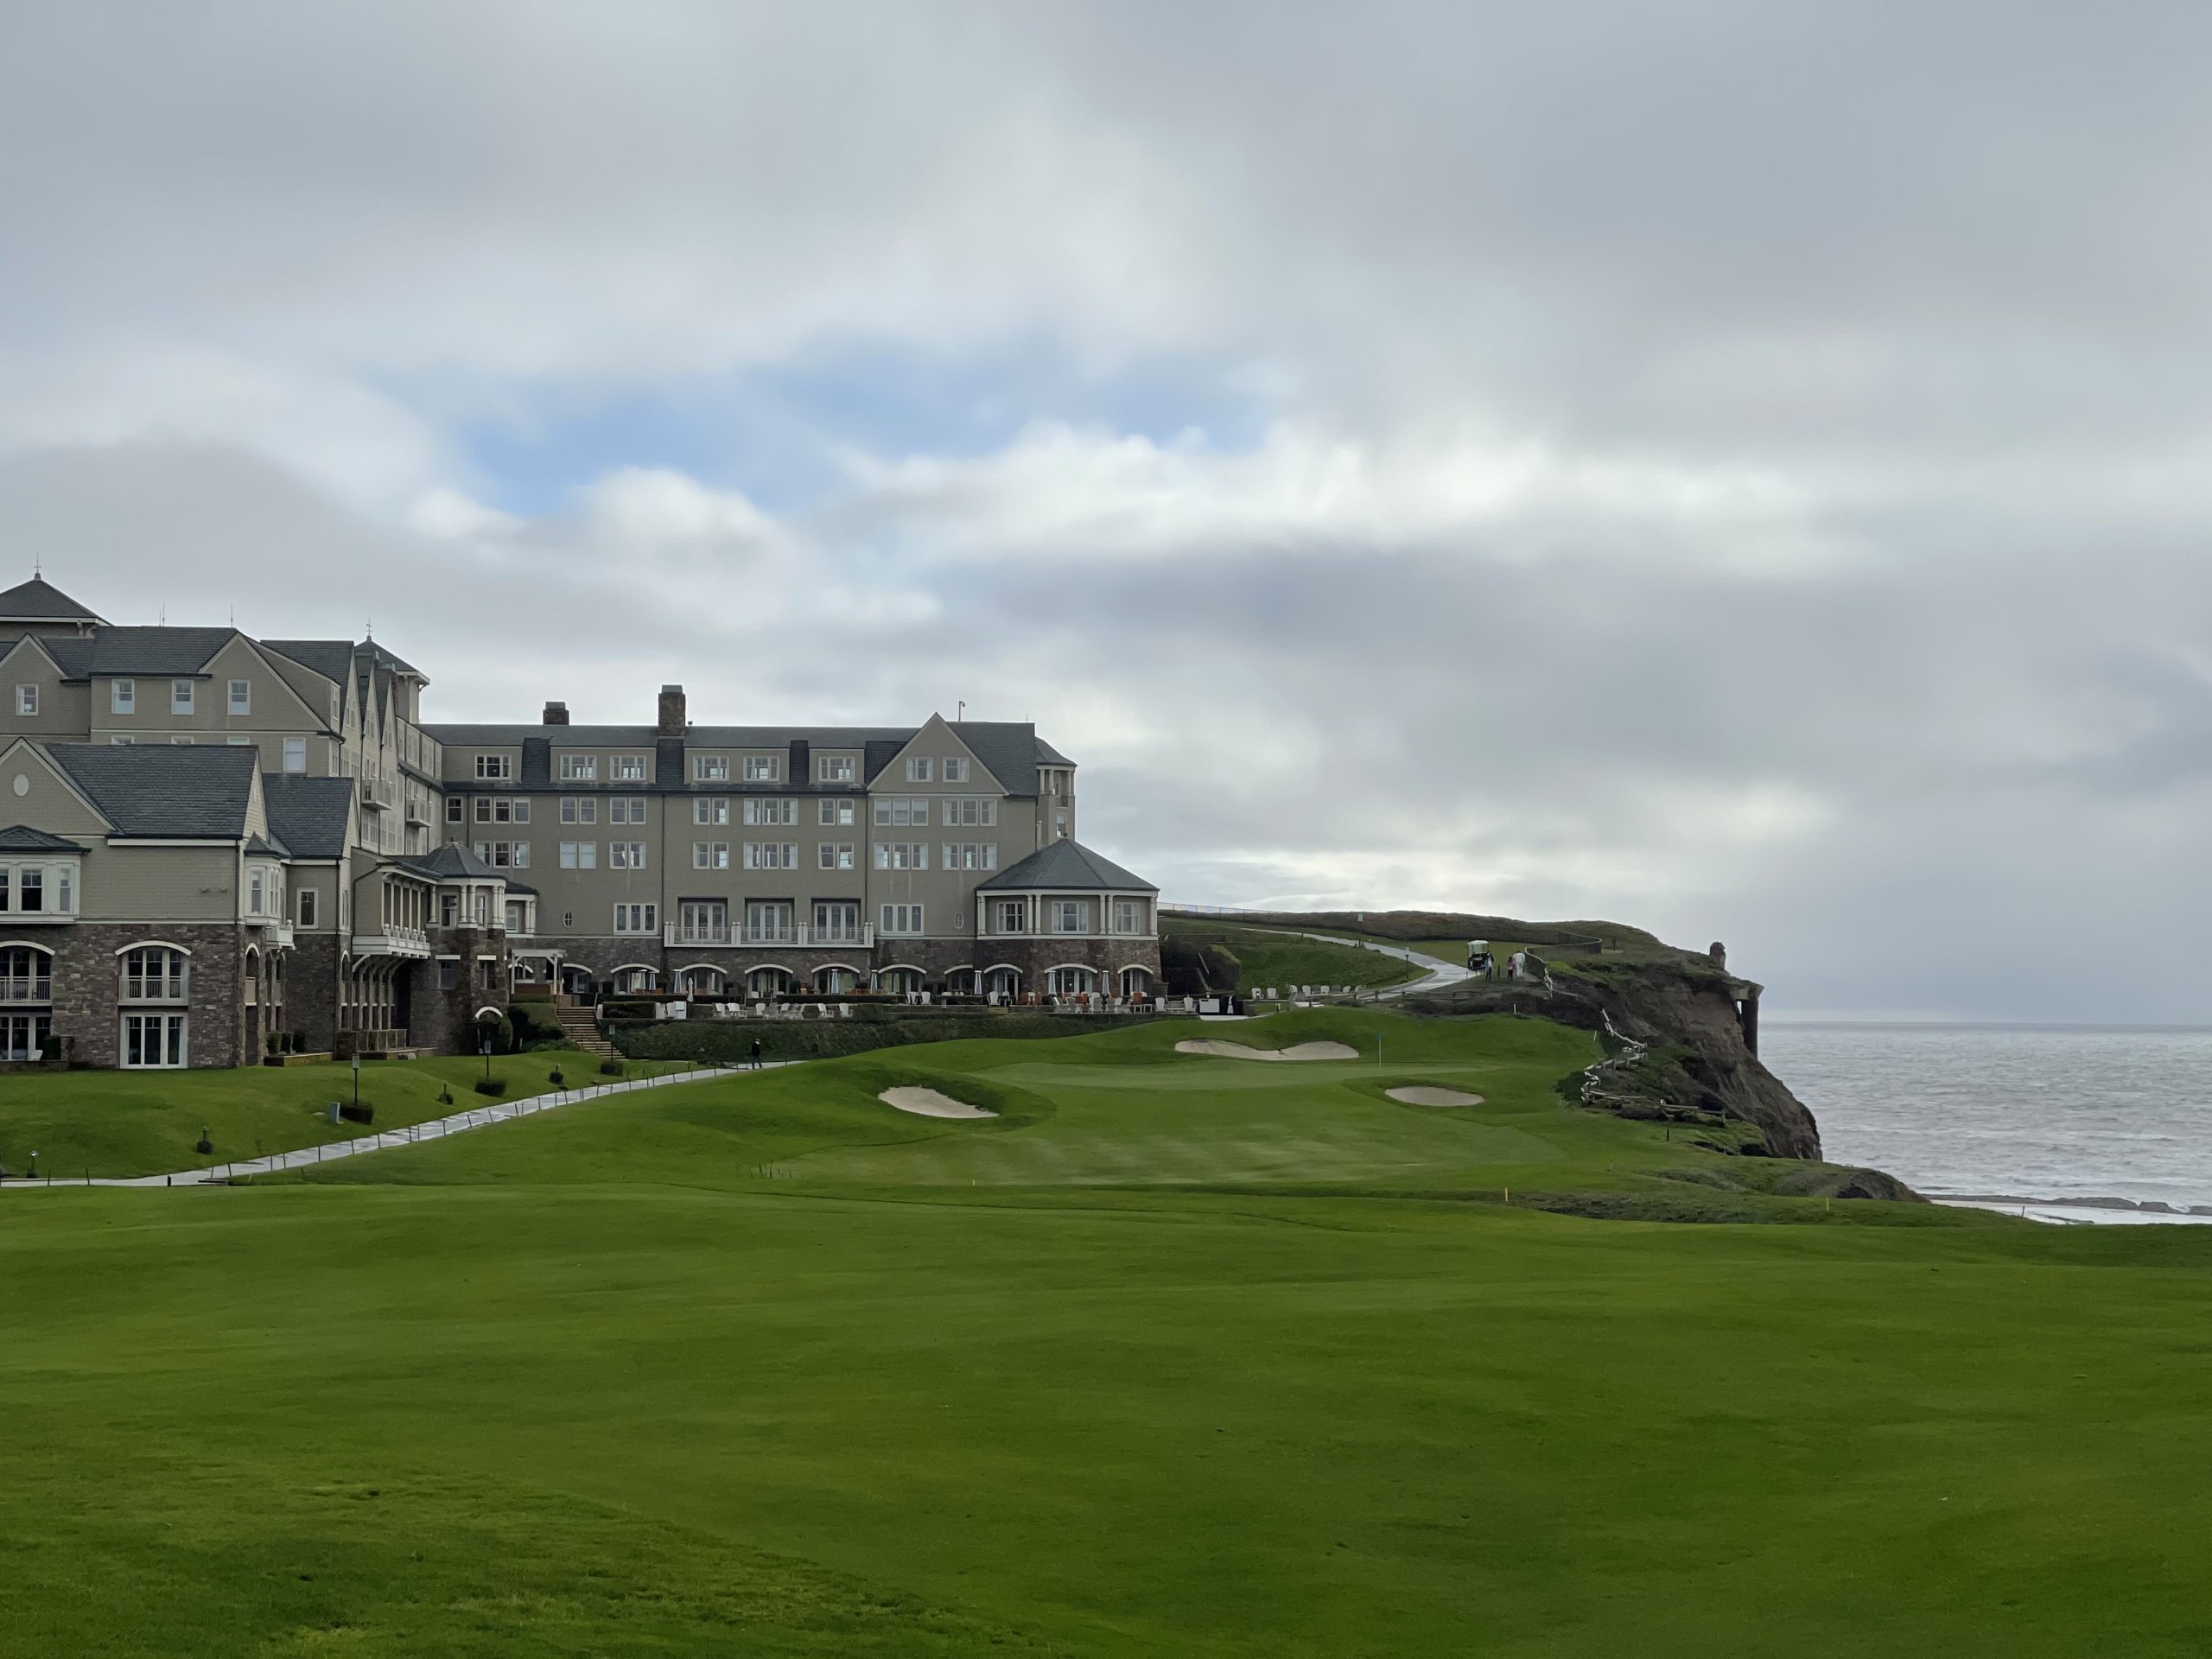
pixel 710 855
pixel 238 742
pixel 918 768
pixel 955 768
pixel 579 768
pixel 122 697
pixel 1068 915
pixel 904 919
pixel 295 754
pixel 122 742
pixel 771 811
pixel 976 811
pixel 971 856
pixel 155 973
pixel 627 769
pixel 456 809
pixel 1011 915
pixel 836 922
pixel 832 769
pixel 763 768
pixel 625 809
pixel 484 810
pixel 1129 916
pixel 26 699
pixel 902 855
pixel 626 855
pixel 835 813
pixel 154 1040
pixel 835 854
pixel 241 696
pixel 38 889
pixel 579 855
pixel 636 918
pixel 710 768
pixel 504 855
pixel 495 766
pixel 1061 825
pixel 254 886
pixel 898 813
pixel 307 906
pixel 579 809
pixel 522 809
pixel 771 856
pixel 710 808
pixel 180 696
pixel 181 742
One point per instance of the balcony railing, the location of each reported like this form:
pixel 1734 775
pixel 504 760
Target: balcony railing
pixel 391 940
pixel 26 987
pixel 857 936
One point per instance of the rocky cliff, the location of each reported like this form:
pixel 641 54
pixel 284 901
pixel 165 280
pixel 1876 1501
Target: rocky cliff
pixel 1688 1016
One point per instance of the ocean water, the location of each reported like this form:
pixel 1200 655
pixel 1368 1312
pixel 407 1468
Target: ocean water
pixel 2055 1114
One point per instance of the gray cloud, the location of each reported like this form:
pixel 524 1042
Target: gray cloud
pixel 1736 468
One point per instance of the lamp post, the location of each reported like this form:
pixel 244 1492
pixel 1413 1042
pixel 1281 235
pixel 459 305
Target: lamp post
pixel 487 1057
pixel 357 1079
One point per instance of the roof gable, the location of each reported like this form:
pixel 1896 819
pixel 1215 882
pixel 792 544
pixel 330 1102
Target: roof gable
pixel 127 651
pixel 40 600
pixel 313 817
pixel 49 793
pixel 21 838
pixel 188 792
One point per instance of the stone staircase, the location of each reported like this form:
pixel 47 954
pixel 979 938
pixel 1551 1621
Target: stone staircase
pixel 583 1032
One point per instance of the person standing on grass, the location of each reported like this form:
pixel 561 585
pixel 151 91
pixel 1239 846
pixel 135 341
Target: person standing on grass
pixel 756 1054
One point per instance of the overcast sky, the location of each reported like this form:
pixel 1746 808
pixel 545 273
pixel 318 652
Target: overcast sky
pixel 1743 469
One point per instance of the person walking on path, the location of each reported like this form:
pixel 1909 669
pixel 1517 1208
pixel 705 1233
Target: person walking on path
pixel 756 1054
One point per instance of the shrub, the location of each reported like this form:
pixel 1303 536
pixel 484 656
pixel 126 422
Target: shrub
pixel 363 1113
pixel 490 1085
pixel 445 1096
pixel 1218 963
pixel 534 1022
pixel 610 1068
pixel 630 1008
pixel 554 1077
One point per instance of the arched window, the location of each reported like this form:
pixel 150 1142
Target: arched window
pixel 156 973
pixel 26 974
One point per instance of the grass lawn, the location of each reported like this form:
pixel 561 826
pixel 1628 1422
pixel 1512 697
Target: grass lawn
pixel 1279 959
pixel 145 1123
pixel 1171 1359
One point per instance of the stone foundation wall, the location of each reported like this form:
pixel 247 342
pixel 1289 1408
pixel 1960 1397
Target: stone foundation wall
pixel 446 1019
pixel 311 991
pixel 87 985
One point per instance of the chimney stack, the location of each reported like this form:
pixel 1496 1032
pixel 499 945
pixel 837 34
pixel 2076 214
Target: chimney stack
pixel 557 714
pixel 673 723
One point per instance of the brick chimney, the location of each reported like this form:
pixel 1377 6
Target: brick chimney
pixel 672 721
pixel 557 714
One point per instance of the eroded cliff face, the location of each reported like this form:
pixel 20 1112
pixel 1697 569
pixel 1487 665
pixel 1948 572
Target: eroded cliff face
pixel 1688 1015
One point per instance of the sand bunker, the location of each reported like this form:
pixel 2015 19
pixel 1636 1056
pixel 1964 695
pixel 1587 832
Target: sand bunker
pixel 1423 1094
pixel 927 1102
pixel 1295 1052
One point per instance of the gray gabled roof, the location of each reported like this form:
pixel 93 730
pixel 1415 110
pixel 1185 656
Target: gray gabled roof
pixel 160 789
pixel 453 862
pixel 1010 751
pixel 21 838
pixel 265 846
pixel 332 658
pixel 309 815
pixel 156 650
pixel 1071 865
pixel 72 653
pixel 40 600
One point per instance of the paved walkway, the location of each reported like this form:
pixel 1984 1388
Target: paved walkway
pixel 307 1157
pixel 1440 974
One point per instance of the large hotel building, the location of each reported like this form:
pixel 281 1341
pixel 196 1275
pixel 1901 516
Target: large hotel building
pixel 208 841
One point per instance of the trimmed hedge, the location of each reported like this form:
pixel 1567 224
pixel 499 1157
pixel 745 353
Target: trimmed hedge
pixel 800 1040
pixel 491 1085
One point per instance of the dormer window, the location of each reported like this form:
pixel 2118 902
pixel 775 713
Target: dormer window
pixel 763 768
pixel 579 768
pixel 628 769
pixel 713 769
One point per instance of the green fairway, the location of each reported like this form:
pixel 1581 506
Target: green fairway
pixel 144 1122
pixel 1178 1355
pixel 1279 959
